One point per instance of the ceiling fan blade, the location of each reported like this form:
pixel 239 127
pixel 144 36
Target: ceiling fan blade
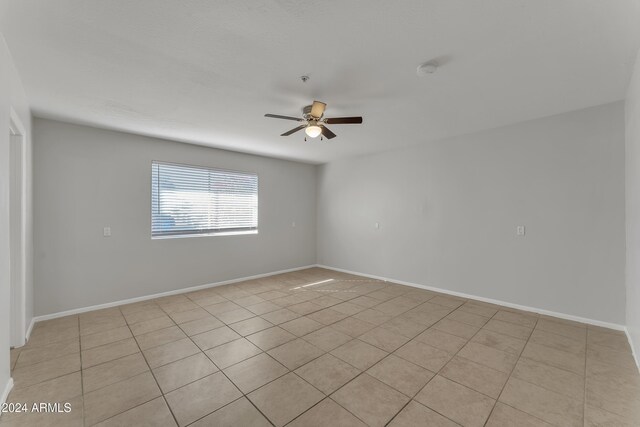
pixel 327 133
pixel 277 116
pixel 343 120
pixel 317 109
pixel 294 130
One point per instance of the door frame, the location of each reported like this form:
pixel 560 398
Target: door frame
pixel 18 135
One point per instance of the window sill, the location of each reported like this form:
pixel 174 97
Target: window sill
pixel 183 236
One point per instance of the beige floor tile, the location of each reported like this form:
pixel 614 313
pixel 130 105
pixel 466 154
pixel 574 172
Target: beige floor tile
pixel 569 331
pixel 415 414
pixel 525 320
pixel 468 318
pixel 107 352
pixel 348 308
pixel 107 337
pixel 305 308
pixel 327 316
pixel 148 313
pixel 232 352
pixel 510 329
pixel 365 301
pixel 506 416
pixel 442 340
pixel 459 329
pixel 263 308
pixel 198 326
pixel 456 402
pixel 234 316
pixel 183 372
pixel 372 401
pixel 151 325
pixel 273 294
pixel 167 353
pixel 327 373
pixel 327 338
pixel 119 397
pixel 424 355
pixel 295 353
pixel 93 327
pixel 31 355
pixel 285 398
pixel 547 405
pixel 327 414
pixel 597 417
pixel 373 316
pixel 447 301
pixel 612 340
pixel 404 326
pixel 255 372
pixel 301 326
pixel 178 307
pixel 221 307
pixel 352 326
pixel 210 300
pixel 384 339
pixel 475 376
pixel 280 316
pixel 250 326
pixel 150 414
pixel 400 374
pixel 249 300
pixel 59 389
pixel 190 315
pixel 608 355
pixel 327 301
pixel 359 354
pixel 271 338
pixel 554 379
pixel 200 398
pixel 613 375
pixel 159 337
pixel 43 371
pixel 618 399
pixel 559 359
pixel 236 414
pixel 499 341
pixel 557 342
pixel 480 309
pixel 490 357
pixel 215 337
pixel 112 372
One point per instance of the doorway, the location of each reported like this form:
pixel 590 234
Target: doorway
pixel 17 230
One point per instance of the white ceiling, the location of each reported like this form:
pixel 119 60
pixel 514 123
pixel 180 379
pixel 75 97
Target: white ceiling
pixel 207 71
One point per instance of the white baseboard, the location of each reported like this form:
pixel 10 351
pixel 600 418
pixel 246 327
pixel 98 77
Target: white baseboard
pixel 487 300
pixel 162 294
pixel 633 349
pixel 6 391
pixel 30 328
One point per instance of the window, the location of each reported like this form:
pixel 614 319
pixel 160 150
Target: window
pixel 194 200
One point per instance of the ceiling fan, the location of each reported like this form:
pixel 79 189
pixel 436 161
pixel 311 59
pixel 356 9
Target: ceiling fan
pixel 313 123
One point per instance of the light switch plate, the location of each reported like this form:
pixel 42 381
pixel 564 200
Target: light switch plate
pixel 106 232
pixel 520 230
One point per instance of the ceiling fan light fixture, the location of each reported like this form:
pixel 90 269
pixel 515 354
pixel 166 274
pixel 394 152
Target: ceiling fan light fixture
pixel 313 130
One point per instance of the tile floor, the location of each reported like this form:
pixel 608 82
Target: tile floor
pixel 320 348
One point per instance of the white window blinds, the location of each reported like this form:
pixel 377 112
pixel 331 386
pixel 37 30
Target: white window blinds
pixel 191 200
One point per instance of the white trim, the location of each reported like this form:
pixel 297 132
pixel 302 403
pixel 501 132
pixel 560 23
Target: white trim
pixel 162 294
pixel 30 328
pixel 7 390
pixel 17 332
pixel 633 349
pixel 488 300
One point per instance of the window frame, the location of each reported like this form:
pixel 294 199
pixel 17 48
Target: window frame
pixel 208 232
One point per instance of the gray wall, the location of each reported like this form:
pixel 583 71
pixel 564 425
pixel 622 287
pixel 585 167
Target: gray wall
pixel 632 187
pixel 86 178
pixel 448 213
pixel 11 96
